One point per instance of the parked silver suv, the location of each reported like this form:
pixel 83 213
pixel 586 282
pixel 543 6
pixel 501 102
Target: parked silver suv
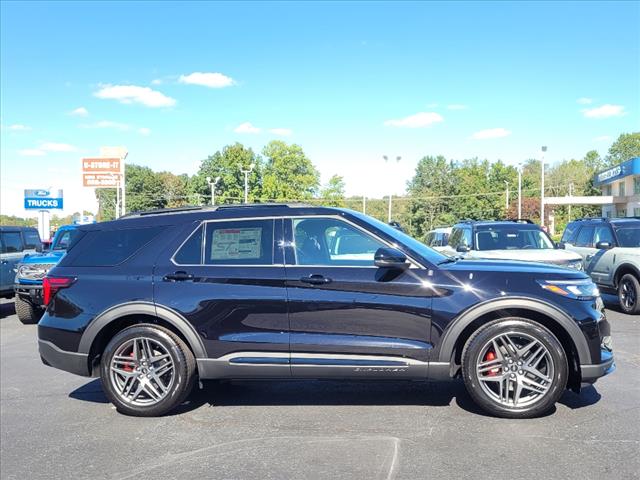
pixel 610 248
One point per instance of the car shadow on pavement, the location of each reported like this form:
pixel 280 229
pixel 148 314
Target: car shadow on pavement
pixel 7 309
pixel 330 393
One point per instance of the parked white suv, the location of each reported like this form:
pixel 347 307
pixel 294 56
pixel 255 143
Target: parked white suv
pixel 508 240
pixel 610 248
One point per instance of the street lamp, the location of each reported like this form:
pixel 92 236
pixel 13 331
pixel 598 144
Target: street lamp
pixel 544 149
pixel 246 181
pixel 213 185
pixel 386 159
pixel 506 203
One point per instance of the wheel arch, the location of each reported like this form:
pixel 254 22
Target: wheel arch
pixel 107 324
pixel 623 269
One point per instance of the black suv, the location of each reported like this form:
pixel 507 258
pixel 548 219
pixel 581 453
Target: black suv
pixel 154 300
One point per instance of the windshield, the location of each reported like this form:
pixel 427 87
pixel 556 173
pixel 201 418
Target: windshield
pixel 63 239
pixel 629 236
pixel 509 238
pixel 415 245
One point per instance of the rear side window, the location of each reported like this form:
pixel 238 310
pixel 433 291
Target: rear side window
pixel 11 242
pixel 190 253
pixel 31 240
pixel 239 242
pixel 111 247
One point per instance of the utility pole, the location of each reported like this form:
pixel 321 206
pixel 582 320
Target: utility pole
pixel 506 205
pixel 520 191
pixel 213 185
pixel 544 149
pixel 386 159
pixel 246 181
pixel 570 195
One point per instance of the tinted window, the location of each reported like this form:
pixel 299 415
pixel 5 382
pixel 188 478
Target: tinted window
pixel 603 234
pixel 31 240
pixel 64 239
pixel 111 247
pixel 11 242
pixel 239 242
pixel 191 251
pixel 509 238
pixel 585 237
pixel 569 232
pixel 455 240
pixel 629 237
pixel 329 241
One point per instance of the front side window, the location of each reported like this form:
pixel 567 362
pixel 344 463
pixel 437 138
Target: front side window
pixel 11 242
pixel 603 234
pixel 569 232
pixel 239 242
pixel 585 237
pixel 332 242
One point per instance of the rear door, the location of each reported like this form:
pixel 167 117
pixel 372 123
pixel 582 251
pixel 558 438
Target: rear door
pixel 226 277
pixel 11 252
pixel 349 318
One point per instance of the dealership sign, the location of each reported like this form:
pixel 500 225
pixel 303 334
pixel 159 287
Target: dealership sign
pixel 43 199
pixel 630 167
pixel 101 172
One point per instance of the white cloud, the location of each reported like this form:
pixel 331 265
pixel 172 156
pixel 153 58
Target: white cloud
pixel 285 132
pixel 58 147
pixel 491 133
pixel 144 131
pixel 584 101
pixel 79 112
pixel 602 138
pixel 246 127
pixel 108 124
pixel 31 152
pixel 432 105
pixel 207 79
pixel 135 94
pixel 419 120
pixel 604 111
pixel 457 106
pixel 19 128
pixel 156 81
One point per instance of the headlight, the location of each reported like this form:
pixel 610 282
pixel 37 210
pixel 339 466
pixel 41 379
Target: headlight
pixel 33 271
pixel 583 289
pixel 574 264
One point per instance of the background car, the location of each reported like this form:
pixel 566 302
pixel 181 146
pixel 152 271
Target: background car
pixel 438 237
pixel 610 248
pixel 30 272
pixel 508 240
pixel 15 243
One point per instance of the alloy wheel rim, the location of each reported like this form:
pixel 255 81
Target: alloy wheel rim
pixel 515 370
pixel 142 372
pixel 627 295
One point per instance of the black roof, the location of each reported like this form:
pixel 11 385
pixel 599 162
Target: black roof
pixel 12 228
pixel 614 221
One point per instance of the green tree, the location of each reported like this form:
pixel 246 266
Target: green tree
pixel 333 192
pixel 625 147
pixel 288 173
pixel 175 189
pixel 227 164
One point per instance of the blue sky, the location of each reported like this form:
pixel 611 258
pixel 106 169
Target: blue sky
pixel 350 82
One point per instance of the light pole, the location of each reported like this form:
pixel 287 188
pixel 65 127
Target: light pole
pixel 544 149
pixel 213 185
pixel 386 159
pixel 570 200
pixel 246 181
pixel 506 203
pixel 519 191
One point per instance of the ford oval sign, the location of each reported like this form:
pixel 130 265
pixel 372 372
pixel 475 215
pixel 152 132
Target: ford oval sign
pixel 42 199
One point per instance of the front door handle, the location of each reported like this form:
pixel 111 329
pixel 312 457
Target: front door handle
pixel 316 279
pixel 179 276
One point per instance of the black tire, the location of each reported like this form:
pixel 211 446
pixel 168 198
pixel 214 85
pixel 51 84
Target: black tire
pixel 27 312
pixel 629 294
pixel 184 369
pixel 475 348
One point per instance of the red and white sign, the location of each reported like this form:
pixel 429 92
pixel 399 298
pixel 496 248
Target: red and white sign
pixel 101 172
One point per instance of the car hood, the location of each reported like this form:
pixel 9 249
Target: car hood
pixel 511 266
pixel 48 257
pixel 539 255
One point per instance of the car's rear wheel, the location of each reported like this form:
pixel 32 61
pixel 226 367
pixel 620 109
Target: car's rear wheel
pixel 514 368
pixel 147 370
pixel 629 293
pixel 27 312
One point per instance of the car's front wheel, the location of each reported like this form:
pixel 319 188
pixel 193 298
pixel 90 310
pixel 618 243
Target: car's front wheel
pixel 629 293
pixel 27 312
pixel 514 368
pixel 147 370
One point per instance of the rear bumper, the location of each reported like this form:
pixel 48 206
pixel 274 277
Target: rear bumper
pixel 32 293
pixel 71 362
pixel 591 373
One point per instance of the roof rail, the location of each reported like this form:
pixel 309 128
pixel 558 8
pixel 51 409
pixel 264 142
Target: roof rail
pixel 518 220
pixel 262 205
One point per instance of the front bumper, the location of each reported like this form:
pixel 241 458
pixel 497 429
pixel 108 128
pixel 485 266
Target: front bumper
pixel 591 373
pixel 72 362
pixel 30 292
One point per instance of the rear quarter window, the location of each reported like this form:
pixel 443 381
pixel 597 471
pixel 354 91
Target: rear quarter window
pixel 111 247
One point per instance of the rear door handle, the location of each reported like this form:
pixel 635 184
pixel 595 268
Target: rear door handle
pixel 316 279
pixel 179 276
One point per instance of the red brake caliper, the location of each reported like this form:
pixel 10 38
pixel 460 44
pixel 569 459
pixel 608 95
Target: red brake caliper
pixel 488 357
pixel 128 367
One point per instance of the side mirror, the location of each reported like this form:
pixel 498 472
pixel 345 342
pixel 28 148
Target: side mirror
pixel 603 245
pixel 560 245
pixel 387 257
pixel 462 249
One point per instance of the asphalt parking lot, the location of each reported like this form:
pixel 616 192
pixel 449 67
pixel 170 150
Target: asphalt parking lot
pixel 57 425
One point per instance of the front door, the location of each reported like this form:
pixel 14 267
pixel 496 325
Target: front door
pixel 227 280
pixel 349 318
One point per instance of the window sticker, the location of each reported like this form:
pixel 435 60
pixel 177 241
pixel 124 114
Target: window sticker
pixel 236 243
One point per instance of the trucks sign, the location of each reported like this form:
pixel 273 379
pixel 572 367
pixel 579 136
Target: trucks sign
pixel 43 199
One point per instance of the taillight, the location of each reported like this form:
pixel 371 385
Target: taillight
pixel 51 285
